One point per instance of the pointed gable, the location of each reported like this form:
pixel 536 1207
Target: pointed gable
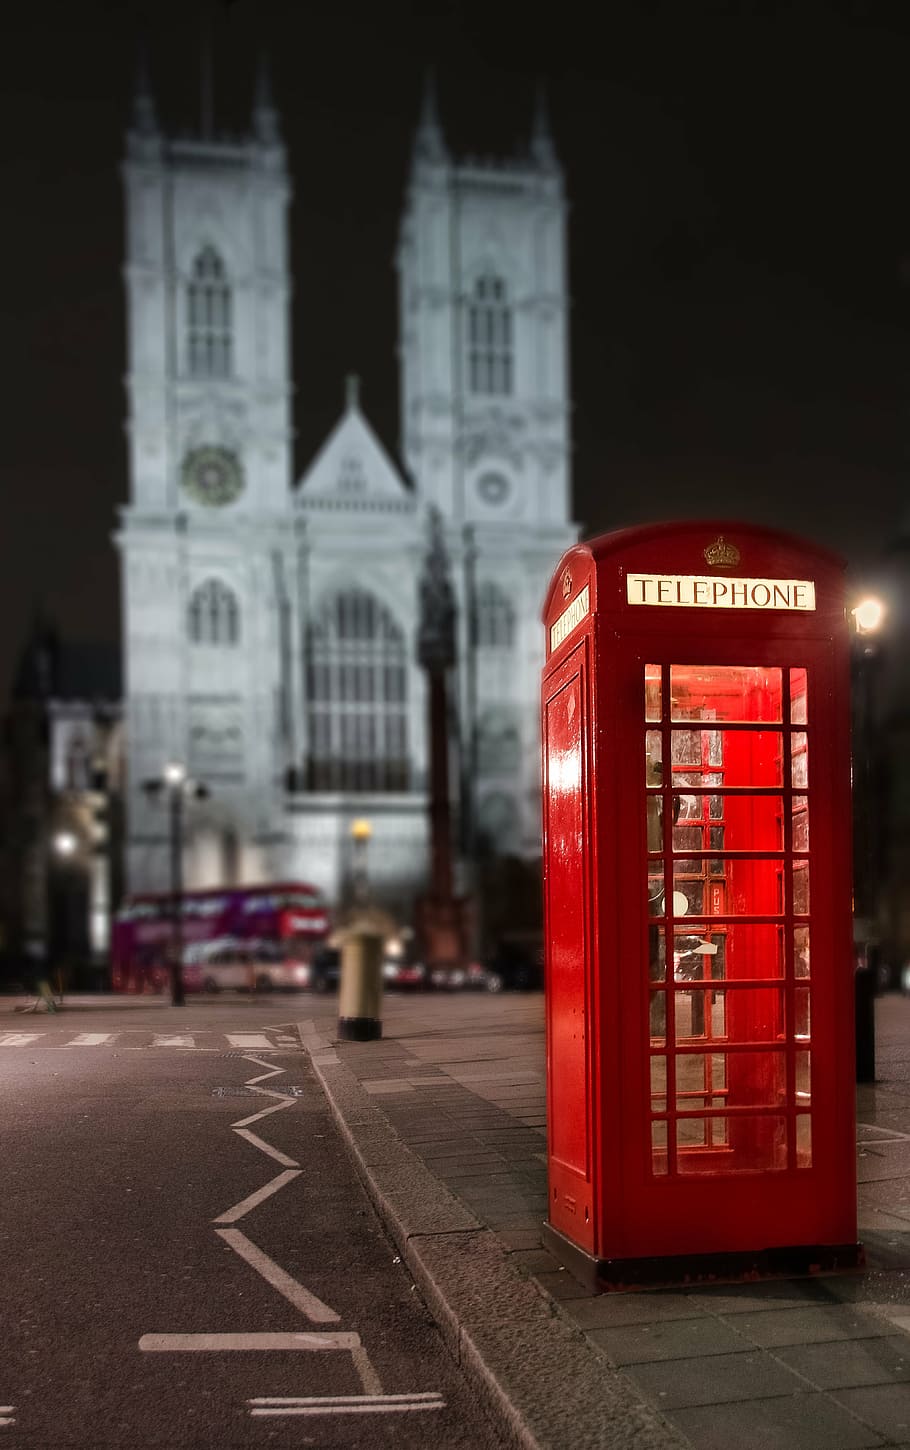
pixel 352 469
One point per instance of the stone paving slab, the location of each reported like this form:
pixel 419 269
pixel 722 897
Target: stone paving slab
pixel 715 1380
pixel 850 1364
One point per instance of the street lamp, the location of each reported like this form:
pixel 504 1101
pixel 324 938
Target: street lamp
pixel 361 831
pixel 868 616
pixel 175 784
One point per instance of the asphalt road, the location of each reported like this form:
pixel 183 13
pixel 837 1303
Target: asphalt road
pixel 187 1261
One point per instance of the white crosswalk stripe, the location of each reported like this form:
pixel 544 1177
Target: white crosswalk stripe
pixel 138 1040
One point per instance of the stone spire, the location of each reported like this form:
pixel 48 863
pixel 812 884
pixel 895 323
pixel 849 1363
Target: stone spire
pixel 429 142
pixel 145 120
pixel 265 116
pixel 542 149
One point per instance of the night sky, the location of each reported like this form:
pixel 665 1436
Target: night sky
pixel 739 249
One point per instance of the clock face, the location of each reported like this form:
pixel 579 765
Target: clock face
pixel 212 476
pixel 493 488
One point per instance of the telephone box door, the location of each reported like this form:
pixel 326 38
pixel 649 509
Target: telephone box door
pixel 729 1009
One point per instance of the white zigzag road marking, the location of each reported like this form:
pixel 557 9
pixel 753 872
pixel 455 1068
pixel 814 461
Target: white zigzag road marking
pixel 240 1210
pixel 272 1071
pixel 264 1147
pixel 296 1294
pixel 286 1102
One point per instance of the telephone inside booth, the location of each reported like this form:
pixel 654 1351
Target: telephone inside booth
pixel 727 800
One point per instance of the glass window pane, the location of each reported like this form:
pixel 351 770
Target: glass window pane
pixel 655 819
pixel 801 960
pixel 756 1079
pixel 658 1018
pixel 803 1079
pixel 657 954
pixel 658 1084
pixel 730 1015
pixel 802 1024
pixel 725 692
pixel 800 823
pixel 704 758
pixel 658 1148
pixel 799 699
pixel 698 956
pixel 743 1144
pixel 749 822
pixel 701 1080
pixel 799 761
pixel 803 1140
pixel 653 758
pixel 688 895
pixel 801 887
pixel 653 675
pixel 742 951
pixel 746 886
pixel 656 893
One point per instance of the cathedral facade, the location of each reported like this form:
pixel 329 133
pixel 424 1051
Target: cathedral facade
pixel 270 620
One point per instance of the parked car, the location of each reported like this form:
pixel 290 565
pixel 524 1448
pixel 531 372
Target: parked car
pixel 250 966
pixel 404 975
pixel 515 964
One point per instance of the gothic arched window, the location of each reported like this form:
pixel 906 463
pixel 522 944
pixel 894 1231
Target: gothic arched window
pixel 209 318
pixel 495 618
pixel 357 696
pixel 214 614
pixel 490 365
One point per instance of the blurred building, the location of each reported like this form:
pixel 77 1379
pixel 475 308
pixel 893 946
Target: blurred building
pixel 270 619
pixel 61 841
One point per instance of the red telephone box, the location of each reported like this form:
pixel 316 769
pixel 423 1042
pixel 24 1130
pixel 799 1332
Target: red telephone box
pixel 697 874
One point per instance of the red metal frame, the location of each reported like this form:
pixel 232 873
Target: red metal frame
pixel 677 1084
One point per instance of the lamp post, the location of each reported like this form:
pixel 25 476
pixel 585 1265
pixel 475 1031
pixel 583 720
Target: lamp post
pixel 868 616
pixel 176 786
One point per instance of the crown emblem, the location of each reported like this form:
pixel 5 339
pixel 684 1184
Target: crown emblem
pixel 567 583
pixel 721 555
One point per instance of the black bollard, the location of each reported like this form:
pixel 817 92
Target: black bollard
pixel 864 987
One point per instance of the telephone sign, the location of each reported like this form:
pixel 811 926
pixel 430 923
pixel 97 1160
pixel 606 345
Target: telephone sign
pixel 698 895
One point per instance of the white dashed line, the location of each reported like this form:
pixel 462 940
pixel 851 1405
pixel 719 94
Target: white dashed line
pixel 206 1343
pixel 173 1041
pixel 19 1039
pixel 91 1039
pixel 295 1293
pixel 240 1210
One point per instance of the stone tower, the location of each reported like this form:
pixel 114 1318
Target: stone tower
pixel 206 539
pixel 485 436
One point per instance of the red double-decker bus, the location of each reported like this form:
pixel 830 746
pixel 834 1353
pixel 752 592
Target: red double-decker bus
pixel 240 937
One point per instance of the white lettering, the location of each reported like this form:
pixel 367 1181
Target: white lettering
pixel 573 616
pixel 704 591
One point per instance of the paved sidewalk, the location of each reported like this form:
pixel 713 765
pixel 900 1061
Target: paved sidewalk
pixel 446 1120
